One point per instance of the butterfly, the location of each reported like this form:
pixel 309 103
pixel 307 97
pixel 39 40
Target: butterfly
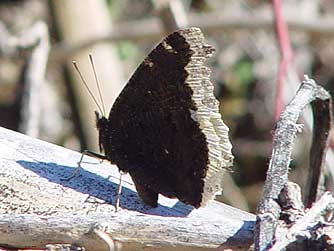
pixel 165 129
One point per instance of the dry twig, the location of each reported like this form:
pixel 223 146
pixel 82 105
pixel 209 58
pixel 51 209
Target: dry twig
pixel 303 226
pixel 269 209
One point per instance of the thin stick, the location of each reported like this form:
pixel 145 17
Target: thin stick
pixel 97 83
pixel 85 83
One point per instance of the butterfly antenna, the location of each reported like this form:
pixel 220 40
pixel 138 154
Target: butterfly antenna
pixel 97 83
pixel 85 83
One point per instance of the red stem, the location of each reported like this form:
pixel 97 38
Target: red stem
pixel 286 54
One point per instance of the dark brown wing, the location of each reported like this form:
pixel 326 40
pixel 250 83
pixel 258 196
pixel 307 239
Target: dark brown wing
pixel 154 125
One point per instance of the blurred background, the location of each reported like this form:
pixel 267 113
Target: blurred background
pixel 41 95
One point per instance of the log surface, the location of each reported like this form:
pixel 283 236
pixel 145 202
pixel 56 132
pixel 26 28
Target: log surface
pixel 39 207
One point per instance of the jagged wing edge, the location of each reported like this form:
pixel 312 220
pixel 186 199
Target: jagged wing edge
pixel 207 113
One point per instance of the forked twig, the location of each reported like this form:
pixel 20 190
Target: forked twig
pixel 269 209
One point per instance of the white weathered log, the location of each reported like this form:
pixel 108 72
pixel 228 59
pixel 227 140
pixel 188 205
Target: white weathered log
pixel 39 207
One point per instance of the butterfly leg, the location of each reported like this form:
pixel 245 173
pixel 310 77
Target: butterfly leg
pixel 149 196
pixel 77 169
pixel 119 191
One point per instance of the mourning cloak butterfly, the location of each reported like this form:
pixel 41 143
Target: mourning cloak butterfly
pixel 165 129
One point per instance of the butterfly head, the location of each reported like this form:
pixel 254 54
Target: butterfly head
pixel 102 127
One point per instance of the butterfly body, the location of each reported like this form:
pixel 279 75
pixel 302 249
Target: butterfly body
pixel 157 130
